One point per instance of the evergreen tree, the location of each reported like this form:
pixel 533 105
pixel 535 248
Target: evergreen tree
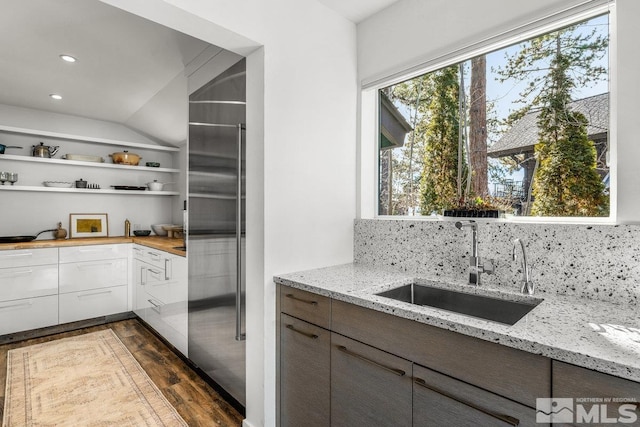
pixel 439 177
pixel 566 181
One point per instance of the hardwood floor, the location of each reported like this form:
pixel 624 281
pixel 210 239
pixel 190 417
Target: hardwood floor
pixel 192 397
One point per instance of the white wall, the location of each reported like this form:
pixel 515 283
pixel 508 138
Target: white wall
pixel 301 115
pixel 413 32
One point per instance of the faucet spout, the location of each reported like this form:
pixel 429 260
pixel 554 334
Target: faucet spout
pixel 527 284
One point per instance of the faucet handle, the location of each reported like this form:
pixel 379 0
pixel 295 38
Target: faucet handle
pixel 486 266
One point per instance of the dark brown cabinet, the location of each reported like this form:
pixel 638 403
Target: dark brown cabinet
pixel 305 356
pixel 369 387
pixel 345 365
pixel 305 373
pixel 441 400
pixel 597 398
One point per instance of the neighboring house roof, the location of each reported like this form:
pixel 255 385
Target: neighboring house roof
pixel 523 134
pixel 393 126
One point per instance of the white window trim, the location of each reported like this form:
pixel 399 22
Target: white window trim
pixel 367 180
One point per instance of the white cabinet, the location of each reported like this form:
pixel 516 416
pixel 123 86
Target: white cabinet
pixel 93 281
pixel 28 289
pixel 161 293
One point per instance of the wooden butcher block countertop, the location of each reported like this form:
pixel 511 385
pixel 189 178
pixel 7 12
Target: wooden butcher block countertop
pixel 162 243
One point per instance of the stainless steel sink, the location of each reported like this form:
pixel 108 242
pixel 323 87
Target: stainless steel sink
pixel 484 307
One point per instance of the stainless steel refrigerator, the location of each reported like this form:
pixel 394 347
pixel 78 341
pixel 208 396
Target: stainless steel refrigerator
pixel 216 230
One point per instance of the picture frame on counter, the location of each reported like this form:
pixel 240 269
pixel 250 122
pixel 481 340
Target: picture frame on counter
pixel 88 225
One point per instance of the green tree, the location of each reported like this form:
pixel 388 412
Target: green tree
pixel 440 174
pixel 566 180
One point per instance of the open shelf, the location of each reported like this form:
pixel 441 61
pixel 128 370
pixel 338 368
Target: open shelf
pixel 105 141
pixel 88 190
pixel 85 164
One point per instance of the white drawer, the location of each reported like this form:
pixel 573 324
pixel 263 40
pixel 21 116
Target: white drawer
pixel 140 301
pixel 94 252
pixel 26 257
pixel 154 257
pixel 94 303
pixel 28 282
pixel 170 321
pixel 81 276
pixel 25 314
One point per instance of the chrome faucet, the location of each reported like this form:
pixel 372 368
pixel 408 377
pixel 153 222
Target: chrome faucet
pixel 527 284
pixel 476 265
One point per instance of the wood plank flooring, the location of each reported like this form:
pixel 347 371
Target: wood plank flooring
pixel 192 397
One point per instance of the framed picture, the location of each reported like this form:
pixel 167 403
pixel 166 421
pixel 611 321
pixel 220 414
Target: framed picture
pixel 88 225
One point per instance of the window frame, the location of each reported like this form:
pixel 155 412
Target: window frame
pixel 370 102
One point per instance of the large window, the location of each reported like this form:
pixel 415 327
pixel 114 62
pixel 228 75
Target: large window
pixel 523 130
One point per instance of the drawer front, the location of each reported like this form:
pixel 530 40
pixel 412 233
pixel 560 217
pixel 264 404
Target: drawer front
pixel 170 321
pixel 93 252
pixel 28 282
pixel 442 400
pixel 151 256
pixel 28 257
pixel 26 314
pixel 575 381
pixel 82 276
pixel 94 303
pixel 305 305
pixel 369 387
pixel 488 365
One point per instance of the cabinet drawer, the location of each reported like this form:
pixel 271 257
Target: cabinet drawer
pixel 170 321
pixel 25 314
pixel 28 282
pixel 305 305
pixel 82 276
pixel 28 257
pixel 516 374
pixel 151 256
pixel 442 400
pixel 369 387
pixel 94 303
pixel 93 253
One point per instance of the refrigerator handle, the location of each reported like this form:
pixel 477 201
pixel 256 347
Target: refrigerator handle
pixel 240 336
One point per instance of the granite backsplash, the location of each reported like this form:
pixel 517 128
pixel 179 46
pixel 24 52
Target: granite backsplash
pixel 590 261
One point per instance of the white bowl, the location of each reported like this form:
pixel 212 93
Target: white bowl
pixel 159 230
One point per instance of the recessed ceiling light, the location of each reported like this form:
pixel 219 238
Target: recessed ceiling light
pixel 56 96
pixel 68 58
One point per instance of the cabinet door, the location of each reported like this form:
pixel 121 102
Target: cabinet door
pixel 304 373
pixel 28 257
pixel 28 282
pixel 94 303
pixel 29 313
pixel 86 275
pixel 440 400
pixel 611 392
pixel 94 252
pixel 369 387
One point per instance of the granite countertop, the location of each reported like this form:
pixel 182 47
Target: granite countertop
pixel 598 335
pixel 162 243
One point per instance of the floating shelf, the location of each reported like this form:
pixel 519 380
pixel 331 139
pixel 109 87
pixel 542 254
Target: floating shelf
pixel 87 190
pixel 105 141
pixel 86 164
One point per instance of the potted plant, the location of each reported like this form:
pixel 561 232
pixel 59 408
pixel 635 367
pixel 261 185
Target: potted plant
pixel 477 207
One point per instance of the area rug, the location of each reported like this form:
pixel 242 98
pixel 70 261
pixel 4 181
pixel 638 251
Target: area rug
pixel 86 380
